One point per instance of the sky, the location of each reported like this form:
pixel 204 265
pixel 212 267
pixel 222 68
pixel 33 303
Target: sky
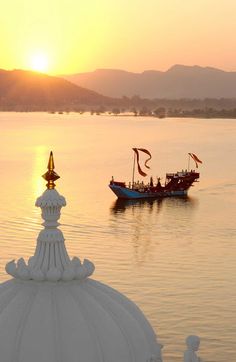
pixel 72 36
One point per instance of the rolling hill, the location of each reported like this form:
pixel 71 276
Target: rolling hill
pixel 32 89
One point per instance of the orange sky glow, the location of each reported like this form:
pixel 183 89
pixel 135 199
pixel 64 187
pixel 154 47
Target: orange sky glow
pixel 72 36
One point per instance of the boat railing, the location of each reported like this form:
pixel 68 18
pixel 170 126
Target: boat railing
pixel 179 173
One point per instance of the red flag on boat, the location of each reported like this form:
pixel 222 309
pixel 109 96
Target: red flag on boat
pixel 136 150
pixel 195 158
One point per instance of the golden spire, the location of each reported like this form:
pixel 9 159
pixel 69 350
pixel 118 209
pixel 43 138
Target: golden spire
pixel 51 175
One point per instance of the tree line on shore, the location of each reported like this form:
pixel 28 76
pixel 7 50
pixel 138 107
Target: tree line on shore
pixel 161 108
pixel 162 112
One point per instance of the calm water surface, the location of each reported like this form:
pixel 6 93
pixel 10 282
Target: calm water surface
pixel 175 258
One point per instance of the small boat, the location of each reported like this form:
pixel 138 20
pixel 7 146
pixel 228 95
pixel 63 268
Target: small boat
pixel 176 184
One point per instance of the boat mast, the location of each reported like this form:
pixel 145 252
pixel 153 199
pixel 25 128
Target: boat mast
pixel 133 172
pixel 188 162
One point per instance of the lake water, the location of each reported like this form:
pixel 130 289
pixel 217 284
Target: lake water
pixel 175 258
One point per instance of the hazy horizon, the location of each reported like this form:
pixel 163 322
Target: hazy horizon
pixel 73 37
pixel 124 70
pixel 157 70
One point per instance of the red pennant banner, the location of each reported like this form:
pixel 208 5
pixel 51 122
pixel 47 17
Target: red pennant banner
pixel 136 150
pixel 195 158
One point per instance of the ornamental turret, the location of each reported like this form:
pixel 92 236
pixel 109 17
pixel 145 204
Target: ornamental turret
pixel 50 261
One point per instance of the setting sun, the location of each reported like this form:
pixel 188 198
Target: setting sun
pixel 39 62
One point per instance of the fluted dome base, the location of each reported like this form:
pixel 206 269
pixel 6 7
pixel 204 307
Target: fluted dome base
pixel 77 321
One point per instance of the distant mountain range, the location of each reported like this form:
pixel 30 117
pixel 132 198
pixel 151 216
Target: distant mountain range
pixel 180 88
pixel 178 82
pixel 31 89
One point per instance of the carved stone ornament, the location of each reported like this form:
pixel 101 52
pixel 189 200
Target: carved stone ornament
pixel 50 261
pixel 193 343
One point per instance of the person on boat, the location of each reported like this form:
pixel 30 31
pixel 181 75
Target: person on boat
pixel 151 181
pixel 159 186
pixel 112 180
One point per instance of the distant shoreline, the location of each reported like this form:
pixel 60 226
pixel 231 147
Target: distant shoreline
pixel 185 114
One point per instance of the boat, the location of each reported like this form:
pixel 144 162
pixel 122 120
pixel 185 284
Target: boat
pixel 176 183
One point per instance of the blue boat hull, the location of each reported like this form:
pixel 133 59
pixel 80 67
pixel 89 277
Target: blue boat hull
pixel 127 193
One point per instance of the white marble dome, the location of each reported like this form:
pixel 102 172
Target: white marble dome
pixel 52 311
pixel 77 321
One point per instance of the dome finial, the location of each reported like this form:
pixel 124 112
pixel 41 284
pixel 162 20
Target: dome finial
pixel 51 175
